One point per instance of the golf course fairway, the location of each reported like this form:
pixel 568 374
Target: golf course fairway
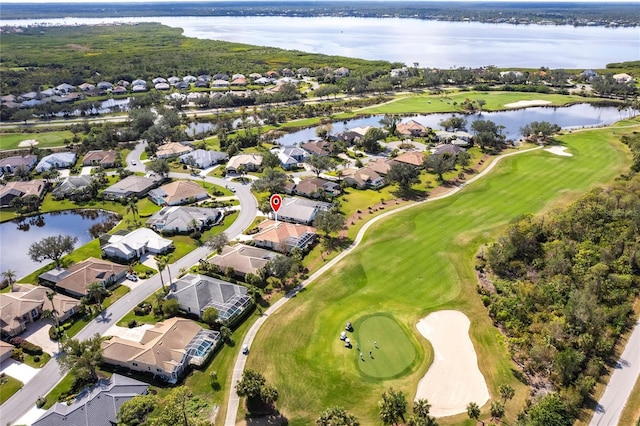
pixel 415 262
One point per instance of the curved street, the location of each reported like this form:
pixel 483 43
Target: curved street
pixel 49 376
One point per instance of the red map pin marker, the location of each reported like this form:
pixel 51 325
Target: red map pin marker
pixel 276 202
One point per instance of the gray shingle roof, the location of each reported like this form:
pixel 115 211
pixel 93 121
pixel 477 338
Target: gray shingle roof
pixel 96 406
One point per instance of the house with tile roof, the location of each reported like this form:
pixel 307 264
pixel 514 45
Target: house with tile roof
pixel 183 219
pixel 135 244
pixel 413 158
pixel 291 156
pixel 448 149
pixel 100 157
pixel 321 148
pixel 315 187
pixel 11 164
pixel 363 178
pixel 380 165
pixel 195 293
pixel 250 162
pixel 172 149
pixel 178 192
pixel 164 351
pixel 25 304
pixel 131 186
pixel 284 236
pixel 204 158
pixel 411 128
pixel 243 259
pixel 71 184
pixel 95 406
pixel 76 279
pixel 21 189
pixel 300 210
pixel 57 160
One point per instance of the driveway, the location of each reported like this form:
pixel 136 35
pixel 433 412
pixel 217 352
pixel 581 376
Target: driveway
pixel 31 416
pixel 18 370
pixel 38 334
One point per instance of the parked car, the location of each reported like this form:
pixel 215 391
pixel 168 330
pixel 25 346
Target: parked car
pixel 245 349
pixel 132 277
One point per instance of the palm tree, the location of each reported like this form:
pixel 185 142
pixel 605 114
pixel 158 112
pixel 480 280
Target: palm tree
pixel 10 276
pixel 54 312
pixel 473 411
pixel 132 207
pixel 95 290
pixel 421 408
pixel 161 263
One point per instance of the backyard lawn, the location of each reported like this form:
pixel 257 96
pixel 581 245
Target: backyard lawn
pixel 414 263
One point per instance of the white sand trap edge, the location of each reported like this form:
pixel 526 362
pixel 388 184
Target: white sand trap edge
pixel 559 150
pixel 27 143
pixel 524 104
pixel 454 379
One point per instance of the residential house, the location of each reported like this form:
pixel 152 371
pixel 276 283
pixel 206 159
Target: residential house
pixel 291 156
pixel 284 236
pixel 301 210
pixel 459 137
pixel 162 86
pixel 123 83
pixel 6 350
pixel 195 293
pixel 135 244
pixel 240 81
pixel 85 87
pixel 348 136
pixel 363 178
pixel 159 80
pixel 243 259
pixel 448 149
pixel 201 84
pixel 399 72
pixel 178 192
pixel 321 148
pixel 172 149
pixel 411 128
pixel 94 406
pixel 70 185
pixel 341 72
pixel 589 74
pixel 622 78
pixel 205 77
pixel 131 186
pixel 380 166
pixel 183 219
pixel 21 189
pixel 220 76
pixel 250 162
pixel 173 80
pixel 104 85
pixel 65 88
pixel 204 158
pixel 219 83
pixel 57 160
pixel 119 90
pixel 25 304
pixel 11 164
pixel 76 279
pixel 100 157
pixel 412 158
pixel 165 350
pixel 315 187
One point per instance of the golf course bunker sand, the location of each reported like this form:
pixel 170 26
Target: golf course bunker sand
pixel 454 379
pixel 559 150
pixel 28 143
pixel 524 104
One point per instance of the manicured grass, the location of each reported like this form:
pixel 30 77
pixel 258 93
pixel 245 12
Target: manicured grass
pixel 42 360
pixel 414 263
pixel 45 139
pixel 54 395
pixel 494 101
pixel 393 354
pixel 9 388
pixel 631 412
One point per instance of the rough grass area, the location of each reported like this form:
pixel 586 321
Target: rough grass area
pixel 414 263
pixel 45 139
pixel 393 353
pixel 631 412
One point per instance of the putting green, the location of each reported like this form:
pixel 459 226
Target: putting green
pixel 393 353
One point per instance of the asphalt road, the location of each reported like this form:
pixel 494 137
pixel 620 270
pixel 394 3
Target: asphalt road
pixel 48 376
pixel 620 385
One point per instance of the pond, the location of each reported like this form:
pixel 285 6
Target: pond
pixel 17 235
pixel 571 117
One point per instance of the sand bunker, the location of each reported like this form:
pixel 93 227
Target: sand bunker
pixel 454 379
pixel 524 104
pixel 559 150
pixel 28 143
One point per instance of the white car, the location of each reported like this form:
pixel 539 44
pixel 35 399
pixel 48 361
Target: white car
pixel 245 349
pixel 134 163
pixel 132 277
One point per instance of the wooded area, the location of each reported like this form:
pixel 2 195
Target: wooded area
pixel 564 288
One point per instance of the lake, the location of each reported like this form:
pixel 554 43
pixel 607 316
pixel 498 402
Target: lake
pixel 437 44
pixel 571 117
pixel 19 234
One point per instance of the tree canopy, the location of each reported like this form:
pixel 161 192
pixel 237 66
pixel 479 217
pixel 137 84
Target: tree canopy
pixel 82 357
pixel 52 248
pixel 337 416
pixel 404 175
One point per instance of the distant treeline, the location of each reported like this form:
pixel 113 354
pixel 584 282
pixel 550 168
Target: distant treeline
pixel 591 13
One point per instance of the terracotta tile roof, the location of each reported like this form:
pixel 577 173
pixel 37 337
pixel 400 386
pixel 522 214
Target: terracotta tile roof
pixel 412 157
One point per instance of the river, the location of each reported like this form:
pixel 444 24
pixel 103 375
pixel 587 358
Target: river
pixel 437 44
